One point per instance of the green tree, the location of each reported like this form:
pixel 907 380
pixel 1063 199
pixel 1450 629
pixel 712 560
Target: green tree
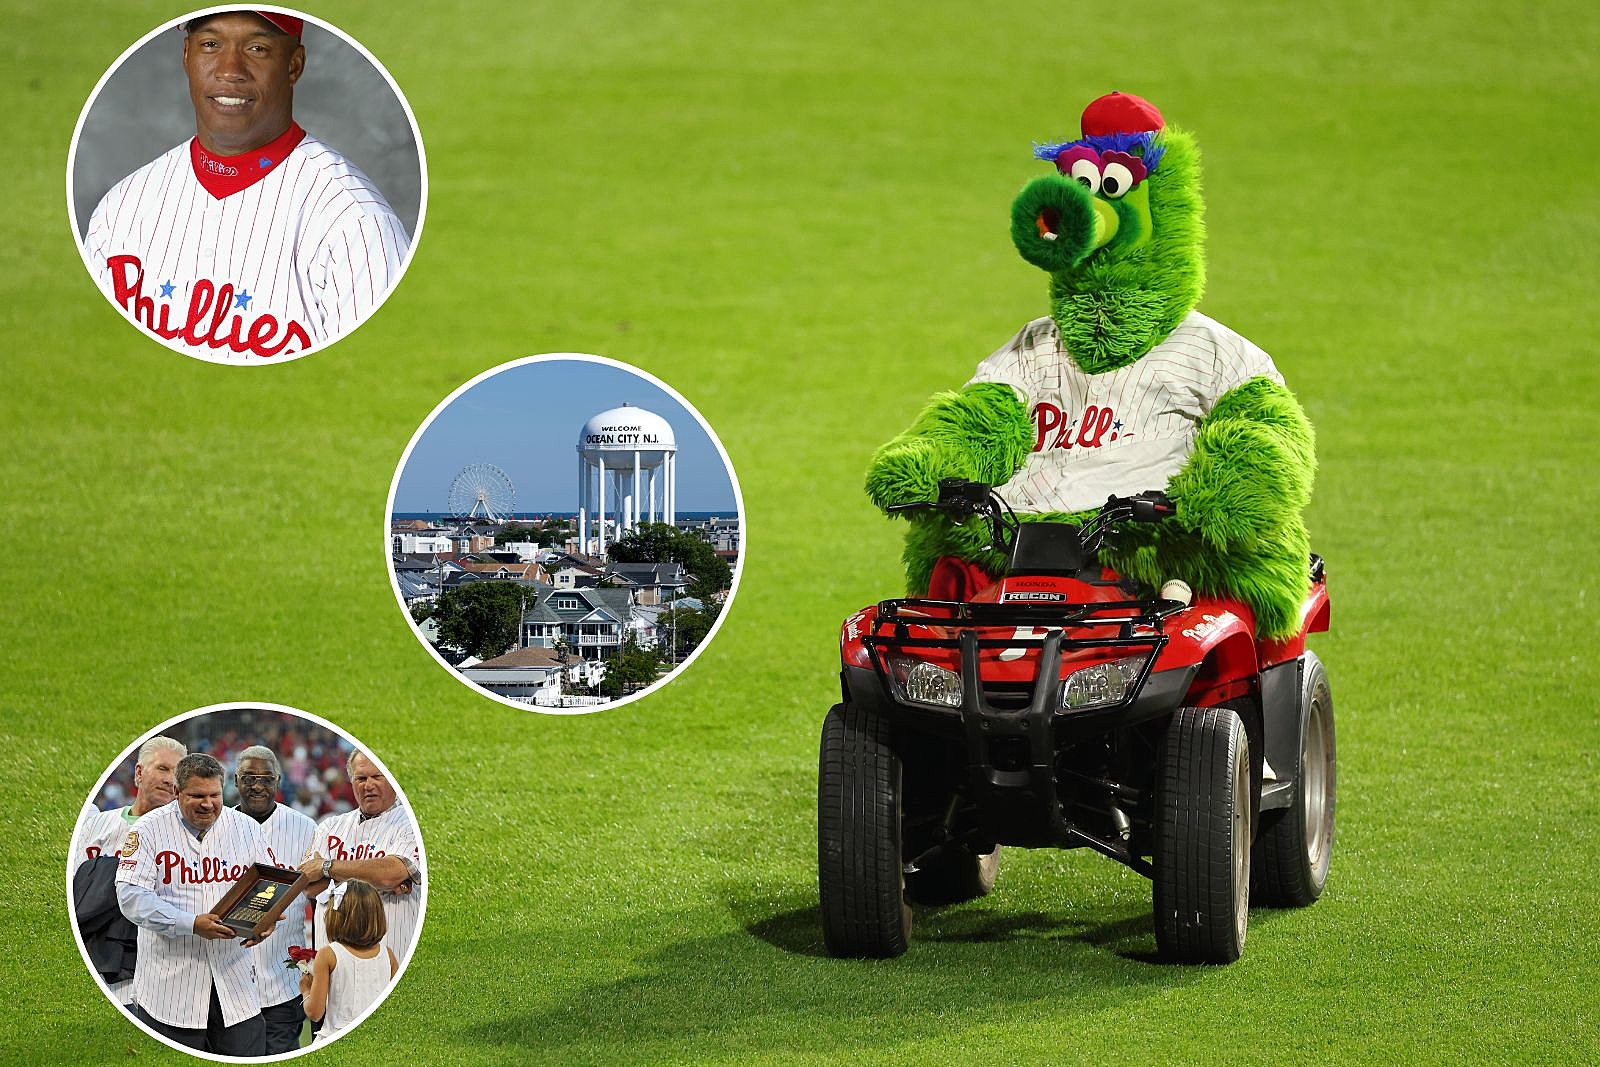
pixel 682 628
pixel 630 669
pixel 421 611
pixel 656 542
pixel 516 532
pixel 482 618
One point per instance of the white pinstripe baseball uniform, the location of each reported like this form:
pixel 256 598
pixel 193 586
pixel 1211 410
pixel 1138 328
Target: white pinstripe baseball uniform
pixel 175 975
pixel 100 834
pixel 242 258
pixel 1123 431
pixel 392 833
pixel 289 835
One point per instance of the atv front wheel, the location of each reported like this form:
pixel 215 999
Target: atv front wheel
pixel 1292 853
pixel 1202 837
pixel 956 875
pixel 864 910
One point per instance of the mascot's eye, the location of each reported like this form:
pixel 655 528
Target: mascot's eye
pixel 1116 181
pixel 1087 174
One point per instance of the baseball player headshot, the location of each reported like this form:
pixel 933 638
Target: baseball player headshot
pixel 254 239
pixel 213 793
pixel 288 834
pixel 377 843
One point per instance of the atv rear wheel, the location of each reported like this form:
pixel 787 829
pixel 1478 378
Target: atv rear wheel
pixel 1202 837
pixel 864 910
pixel 956 875
pixel 1292 853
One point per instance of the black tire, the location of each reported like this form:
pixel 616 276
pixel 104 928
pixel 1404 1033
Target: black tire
pixel 864 910
pixel 955 876
pixel 1202 837
pixel 1292 853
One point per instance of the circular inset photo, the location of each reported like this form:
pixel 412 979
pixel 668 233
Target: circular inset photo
pixel 565 533
pixel 246 881
pixel 246 185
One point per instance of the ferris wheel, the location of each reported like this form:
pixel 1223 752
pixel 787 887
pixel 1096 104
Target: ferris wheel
pixel 482 489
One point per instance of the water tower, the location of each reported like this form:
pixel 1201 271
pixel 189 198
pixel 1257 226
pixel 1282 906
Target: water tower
pixel 637 450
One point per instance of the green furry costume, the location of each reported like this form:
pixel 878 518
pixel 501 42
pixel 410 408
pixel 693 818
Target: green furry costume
pixel 1120 232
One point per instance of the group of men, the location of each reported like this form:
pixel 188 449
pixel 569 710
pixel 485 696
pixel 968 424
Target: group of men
pixel 147 877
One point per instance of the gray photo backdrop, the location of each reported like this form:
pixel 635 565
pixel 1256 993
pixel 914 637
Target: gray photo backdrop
pixel 143 110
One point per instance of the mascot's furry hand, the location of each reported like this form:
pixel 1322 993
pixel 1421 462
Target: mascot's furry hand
pixel 1124 387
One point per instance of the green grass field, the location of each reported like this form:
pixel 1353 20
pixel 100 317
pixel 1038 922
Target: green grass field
pixel 797 217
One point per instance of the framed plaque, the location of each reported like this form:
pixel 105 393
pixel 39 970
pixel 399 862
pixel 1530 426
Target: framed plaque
pixel 253 903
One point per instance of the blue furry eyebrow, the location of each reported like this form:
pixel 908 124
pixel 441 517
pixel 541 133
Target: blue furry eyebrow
pixel 1148 143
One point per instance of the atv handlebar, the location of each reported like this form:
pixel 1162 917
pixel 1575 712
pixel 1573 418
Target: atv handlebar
pixel 960 499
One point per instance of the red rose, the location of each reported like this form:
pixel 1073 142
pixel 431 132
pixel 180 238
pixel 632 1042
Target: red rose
pixel 299 955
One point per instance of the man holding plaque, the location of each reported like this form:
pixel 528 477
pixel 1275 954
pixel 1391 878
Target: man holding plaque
pixel 288 834
pixel 376 843
pixel 196 980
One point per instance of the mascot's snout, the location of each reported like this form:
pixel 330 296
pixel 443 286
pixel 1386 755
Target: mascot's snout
pixel 1056 223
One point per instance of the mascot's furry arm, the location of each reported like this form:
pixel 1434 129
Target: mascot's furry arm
pixel 1238 531
pixel 982 434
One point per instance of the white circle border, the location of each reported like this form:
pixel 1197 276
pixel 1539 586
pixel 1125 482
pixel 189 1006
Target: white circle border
pixel 394 86
pixel 727 464
pixel 251 705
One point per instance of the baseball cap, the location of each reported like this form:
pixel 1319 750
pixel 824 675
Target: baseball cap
pixel 1120 113
pixel 287 23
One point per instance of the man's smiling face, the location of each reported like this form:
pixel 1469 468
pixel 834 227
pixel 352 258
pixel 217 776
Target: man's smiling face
pixel 241 72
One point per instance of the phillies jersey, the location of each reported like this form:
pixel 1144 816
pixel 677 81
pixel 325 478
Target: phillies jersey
pixel 392 833
pixel 1123 431
pixel 242 258
pixel 288 834
pixel 175 975
pixel 100 833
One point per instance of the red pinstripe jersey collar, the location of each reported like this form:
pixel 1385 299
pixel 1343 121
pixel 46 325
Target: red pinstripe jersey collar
pixel 223 176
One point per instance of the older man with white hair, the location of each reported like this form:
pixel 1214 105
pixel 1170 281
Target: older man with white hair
pixel 100 833
pixel 257 775
pixel 377 843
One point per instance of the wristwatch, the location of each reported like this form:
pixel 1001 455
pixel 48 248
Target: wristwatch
pixel 327 868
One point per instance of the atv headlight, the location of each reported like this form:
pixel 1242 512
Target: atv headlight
pixel 1102 684
pixel 925 683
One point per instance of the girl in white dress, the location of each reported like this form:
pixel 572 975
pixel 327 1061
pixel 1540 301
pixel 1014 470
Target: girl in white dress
pixel 352 970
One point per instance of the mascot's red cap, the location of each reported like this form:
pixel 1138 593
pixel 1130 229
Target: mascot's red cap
pixel 1120 113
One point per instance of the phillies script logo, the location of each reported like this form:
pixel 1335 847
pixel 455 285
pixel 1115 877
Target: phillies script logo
pixel 360 852
pixel 1096 426
pixel 211 869
pixel 207 322
pixel 220 168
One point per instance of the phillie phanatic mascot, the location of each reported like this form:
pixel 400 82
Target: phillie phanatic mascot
pixel 1122 388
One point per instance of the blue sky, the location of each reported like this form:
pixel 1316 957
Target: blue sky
pixel 526 419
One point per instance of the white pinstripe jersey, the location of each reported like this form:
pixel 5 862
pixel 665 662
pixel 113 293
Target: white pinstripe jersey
pixel 289 835
pixel 1123 431
pixel 393 833
pixel 289 263
pixel 100 834
pixel 175 975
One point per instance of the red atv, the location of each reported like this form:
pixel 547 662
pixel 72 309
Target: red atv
pixel 1053 709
